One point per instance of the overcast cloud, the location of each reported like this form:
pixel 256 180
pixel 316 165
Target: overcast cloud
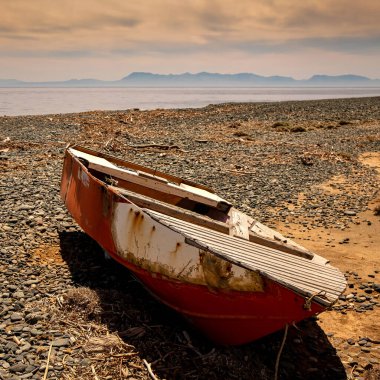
pixel 50 39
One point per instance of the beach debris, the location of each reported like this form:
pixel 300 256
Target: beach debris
pixel 30 176
pixel 307 160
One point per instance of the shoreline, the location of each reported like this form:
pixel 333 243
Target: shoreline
pixel 308 168
pixel 53 101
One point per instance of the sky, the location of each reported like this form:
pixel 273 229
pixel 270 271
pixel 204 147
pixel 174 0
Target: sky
pixel 42 40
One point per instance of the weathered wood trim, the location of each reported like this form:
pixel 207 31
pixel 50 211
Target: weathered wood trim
pixel 154 184
pixel 174 211
pixel 131 165
pixel 279 246
pixel 147 180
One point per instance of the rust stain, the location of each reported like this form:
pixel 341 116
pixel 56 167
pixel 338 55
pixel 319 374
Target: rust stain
pixel 153 267
pixel 204 268
pixel 250 282
pixel 137 220
pixel 216 271
pixel 212 272
pixel 175 250
pixel 218 274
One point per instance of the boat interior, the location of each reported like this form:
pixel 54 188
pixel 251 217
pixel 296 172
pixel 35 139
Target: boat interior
pixel 183 200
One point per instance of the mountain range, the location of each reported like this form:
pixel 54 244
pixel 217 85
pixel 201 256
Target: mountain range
pixel 205 79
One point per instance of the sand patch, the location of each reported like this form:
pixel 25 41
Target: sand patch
pixel 335 185
pixel 352 249
pixel 48 255
pixel 371 159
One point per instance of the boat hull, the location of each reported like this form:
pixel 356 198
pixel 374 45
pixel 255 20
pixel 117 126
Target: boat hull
pixel 225 315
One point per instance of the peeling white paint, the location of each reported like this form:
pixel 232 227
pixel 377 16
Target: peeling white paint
pixel 157 248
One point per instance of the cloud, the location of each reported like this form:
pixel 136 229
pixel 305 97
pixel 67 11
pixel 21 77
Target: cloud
pixel 194 20
pixel 339 16
pixel 188 32
pixel 62 54
pixel 214 46
pixel 41 17
pixel 345 45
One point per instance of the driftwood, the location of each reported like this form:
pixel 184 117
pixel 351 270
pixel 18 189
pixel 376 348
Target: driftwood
pixel 148 367
pixel 47 362
pixel 157 146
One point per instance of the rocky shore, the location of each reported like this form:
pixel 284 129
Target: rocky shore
pixel 310 169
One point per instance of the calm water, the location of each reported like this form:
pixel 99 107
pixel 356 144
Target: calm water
pixel 35 101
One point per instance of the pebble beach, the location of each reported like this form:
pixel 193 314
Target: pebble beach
pixel 310 169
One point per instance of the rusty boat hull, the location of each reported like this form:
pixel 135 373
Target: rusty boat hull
pixel 235 287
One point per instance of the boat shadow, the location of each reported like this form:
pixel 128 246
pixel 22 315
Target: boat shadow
pixel 178 351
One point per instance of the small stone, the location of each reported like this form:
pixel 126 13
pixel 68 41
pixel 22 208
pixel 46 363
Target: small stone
pixel 85 362
pixel 16 317
pixel 350 212
pixel 18 294
pixel 25 207
pixel 5 365
pixel 25 347
pixel 19 367
pixel 33 318
pixel 30 368
pixel 10 347
pixel 61 342
pixel 17 329
pixel 35 332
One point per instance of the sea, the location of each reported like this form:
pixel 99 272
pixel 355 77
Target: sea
pixel 39 101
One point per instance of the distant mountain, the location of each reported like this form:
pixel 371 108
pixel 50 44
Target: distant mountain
pixel 10 83
pixel 204 79
pixel 339 79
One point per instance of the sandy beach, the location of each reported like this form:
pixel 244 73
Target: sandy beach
pixel 310 169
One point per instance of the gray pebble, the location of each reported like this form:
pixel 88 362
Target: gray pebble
pixel 61 342
pixel 19 367
pixel 15 317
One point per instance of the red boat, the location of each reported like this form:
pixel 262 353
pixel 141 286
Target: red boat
pixel 232 277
